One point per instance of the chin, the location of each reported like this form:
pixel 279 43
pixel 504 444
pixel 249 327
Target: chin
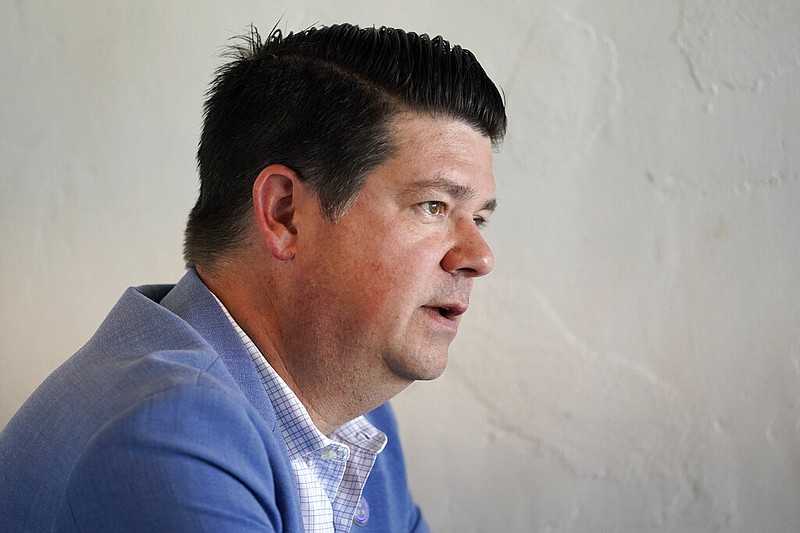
pixel 419 368
pixel 431 374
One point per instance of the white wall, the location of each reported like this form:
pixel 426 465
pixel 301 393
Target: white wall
pixel 633 363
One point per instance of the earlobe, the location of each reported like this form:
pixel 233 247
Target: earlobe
pixel 274 208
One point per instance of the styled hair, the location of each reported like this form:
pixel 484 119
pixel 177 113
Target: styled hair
pixel 320 101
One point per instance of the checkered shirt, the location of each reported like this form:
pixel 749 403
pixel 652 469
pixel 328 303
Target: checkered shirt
pixel 330 471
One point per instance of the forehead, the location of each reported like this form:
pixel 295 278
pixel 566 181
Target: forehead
pixel 432 136
pixel 438 150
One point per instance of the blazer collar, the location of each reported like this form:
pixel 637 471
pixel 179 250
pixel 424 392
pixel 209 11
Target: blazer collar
pixel 191 300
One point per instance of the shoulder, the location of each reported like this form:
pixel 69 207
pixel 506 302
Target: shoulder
pixel 145 415
pixel 197 457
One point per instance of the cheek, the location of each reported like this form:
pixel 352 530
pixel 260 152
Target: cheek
pixel 402 277
pixel 383 270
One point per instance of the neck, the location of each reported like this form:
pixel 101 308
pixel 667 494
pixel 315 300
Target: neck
pixel 331 388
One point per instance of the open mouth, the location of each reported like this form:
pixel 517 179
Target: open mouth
pixel 447 312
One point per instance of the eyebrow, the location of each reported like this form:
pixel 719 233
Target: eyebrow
pixel 455 190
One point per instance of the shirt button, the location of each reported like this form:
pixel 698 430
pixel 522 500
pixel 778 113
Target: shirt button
pixel 361 515
pixel 329 453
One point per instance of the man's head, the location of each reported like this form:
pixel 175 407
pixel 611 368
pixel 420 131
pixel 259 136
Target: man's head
pixel 321 102
pixel 345 175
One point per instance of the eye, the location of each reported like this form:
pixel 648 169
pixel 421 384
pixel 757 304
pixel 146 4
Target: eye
pixel 480 221
pixel 433 208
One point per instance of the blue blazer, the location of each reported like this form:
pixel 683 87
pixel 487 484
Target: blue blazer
pixel 161 423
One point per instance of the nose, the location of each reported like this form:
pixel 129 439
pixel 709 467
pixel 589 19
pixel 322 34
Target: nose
pixel 470 254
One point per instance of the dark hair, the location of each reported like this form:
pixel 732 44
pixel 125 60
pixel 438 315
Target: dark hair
pixel 320 102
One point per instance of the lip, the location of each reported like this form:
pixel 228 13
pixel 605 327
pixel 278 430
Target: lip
pixel 447 314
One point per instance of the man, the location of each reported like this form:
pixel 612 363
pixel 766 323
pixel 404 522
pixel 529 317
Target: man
pixel 345 174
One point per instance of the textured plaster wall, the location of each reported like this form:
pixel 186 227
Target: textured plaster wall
pixel 633 363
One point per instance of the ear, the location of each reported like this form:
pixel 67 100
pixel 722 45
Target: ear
pixel 274 207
